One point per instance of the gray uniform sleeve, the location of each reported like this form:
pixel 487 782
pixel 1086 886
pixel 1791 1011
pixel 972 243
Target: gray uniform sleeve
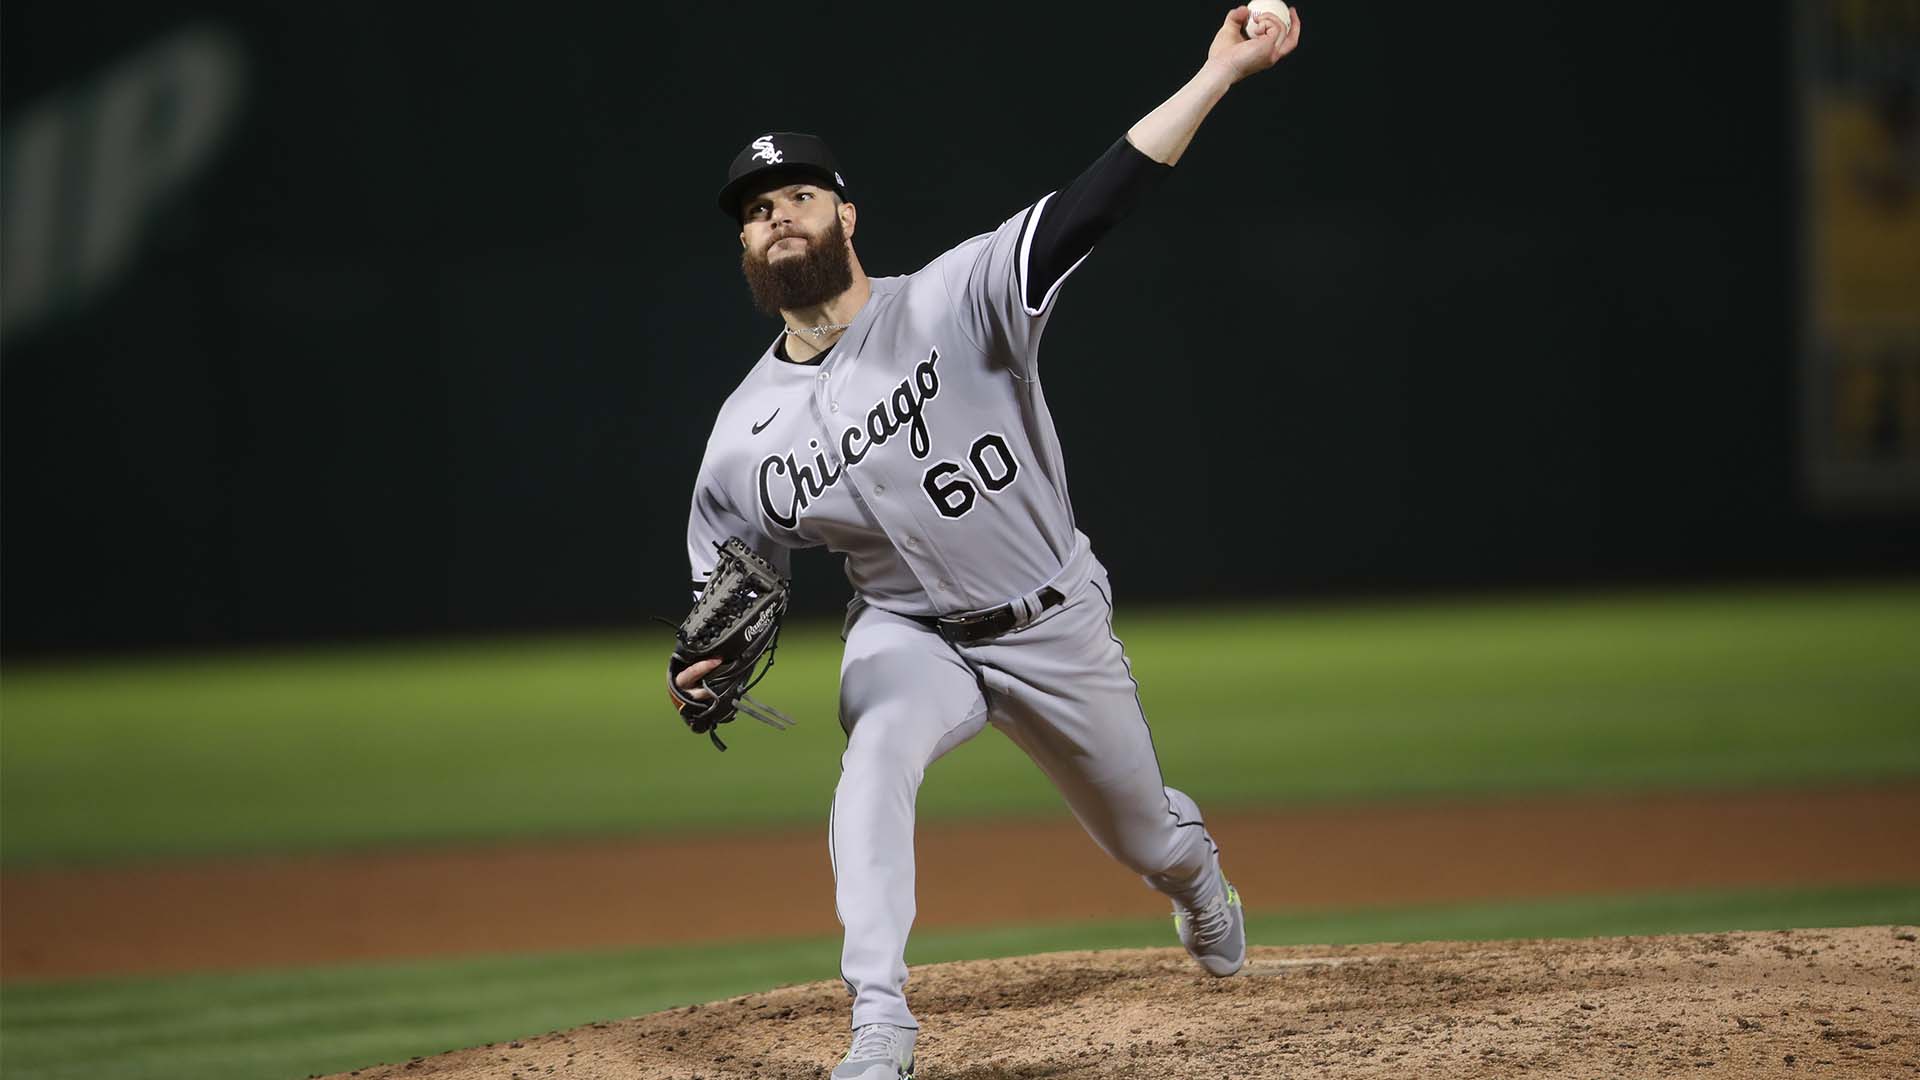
pixel 1036 251
pixel 987 280
pixel 709 524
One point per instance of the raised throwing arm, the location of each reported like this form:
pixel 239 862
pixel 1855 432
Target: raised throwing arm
pixel 1076 218
pixel 1164 133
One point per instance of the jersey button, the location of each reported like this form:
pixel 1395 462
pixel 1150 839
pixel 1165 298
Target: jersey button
pixel 823 376
pixel 879 489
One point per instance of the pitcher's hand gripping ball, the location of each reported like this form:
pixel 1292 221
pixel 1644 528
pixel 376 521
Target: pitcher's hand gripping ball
pixel 737 620
pixel 1276 8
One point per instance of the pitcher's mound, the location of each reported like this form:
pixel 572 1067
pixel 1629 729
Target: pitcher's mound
pixel 1782 1004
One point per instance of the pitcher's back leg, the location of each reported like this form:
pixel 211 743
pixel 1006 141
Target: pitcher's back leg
pixel 1062 690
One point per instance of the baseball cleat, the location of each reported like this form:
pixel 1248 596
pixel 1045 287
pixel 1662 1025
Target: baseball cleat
pixel 1214 930
pixel 880 1052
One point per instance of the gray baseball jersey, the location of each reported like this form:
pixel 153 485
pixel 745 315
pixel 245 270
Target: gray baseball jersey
pixel 921 446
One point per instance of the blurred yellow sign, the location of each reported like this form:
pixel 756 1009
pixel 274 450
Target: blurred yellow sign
pixel 1859 79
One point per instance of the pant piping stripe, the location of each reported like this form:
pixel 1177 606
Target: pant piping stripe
pixel 1128 664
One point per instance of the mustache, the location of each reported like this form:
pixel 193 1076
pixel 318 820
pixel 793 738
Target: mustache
pixel 790 234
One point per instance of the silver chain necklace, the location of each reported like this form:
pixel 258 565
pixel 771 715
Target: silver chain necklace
pixel 818 332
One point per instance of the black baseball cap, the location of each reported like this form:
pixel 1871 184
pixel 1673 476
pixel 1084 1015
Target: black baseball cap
pixel 789 152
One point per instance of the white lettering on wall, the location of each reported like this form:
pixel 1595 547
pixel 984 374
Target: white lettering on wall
pixel 83 171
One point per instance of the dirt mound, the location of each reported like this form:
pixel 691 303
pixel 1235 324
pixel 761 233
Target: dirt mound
pixel 1784 1004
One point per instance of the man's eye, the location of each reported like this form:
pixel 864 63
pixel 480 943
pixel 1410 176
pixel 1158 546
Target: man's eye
pixel 804 195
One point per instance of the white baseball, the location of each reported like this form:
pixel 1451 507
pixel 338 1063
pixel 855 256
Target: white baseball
pixel 1275 8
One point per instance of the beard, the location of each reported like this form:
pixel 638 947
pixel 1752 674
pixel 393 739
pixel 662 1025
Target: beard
pixel 813 277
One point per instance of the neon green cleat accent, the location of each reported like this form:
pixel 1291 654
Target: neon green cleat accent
pixel 1214 930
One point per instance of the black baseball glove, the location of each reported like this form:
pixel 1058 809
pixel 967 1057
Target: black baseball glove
pixel 737 619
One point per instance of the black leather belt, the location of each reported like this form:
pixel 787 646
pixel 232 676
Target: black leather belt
pixel 981 625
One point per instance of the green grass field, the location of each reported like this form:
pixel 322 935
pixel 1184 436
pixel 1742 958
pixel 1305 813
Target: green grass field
pixel 354 747
pixel 379 746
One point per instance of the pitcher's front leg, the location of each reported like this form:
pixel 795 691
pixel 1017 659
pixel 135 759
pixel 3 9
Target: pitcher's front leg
pixel 905 699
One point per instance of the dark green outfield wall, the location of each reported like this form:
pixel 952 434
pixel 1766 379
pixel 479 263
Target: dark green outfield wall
pixel 430 339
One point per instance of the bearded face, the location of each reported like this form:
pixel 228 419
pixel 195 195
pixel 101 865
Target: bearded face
pixel 781 278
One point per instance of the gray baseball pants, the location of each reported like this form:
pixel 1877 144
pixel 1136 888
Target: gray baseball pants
pixel 1061 689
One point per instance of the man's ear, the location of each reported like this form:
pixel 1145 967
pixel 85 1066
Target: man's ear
pixel 743 238
pixel 848 216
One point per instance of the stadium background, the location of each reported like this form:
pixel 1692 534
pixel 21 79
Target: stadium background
pixel 1446 421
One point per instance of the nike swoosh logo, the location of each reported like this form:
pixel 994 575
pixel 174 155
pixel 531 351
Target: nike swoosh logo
pixel 762 425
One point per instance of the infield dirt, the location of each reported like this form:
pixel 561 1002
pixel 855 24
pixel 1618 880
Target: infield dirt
pixel 1794 1003
pixel 1838 1003
pixel 229 914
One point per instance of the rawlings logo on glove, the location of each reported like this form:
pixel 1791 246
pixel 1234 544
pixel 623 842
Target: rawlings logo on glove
pixel 736 621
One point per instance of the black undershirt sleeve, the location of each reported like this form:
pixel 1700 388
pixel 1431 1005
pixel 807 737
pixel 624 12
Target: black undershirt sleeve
pixel 1075 219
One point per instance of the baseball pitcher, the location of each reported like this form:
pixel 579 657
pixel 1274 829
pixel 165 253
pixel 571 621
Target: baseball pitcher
pixel 901 421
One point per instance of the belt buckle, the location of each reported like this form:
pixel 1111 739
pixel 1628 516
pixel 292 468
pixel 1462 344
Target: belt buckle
pixel 962 629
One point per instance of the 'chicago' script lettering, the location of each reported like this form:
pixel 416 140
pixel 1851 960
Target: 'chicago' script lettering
pixel 788 485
